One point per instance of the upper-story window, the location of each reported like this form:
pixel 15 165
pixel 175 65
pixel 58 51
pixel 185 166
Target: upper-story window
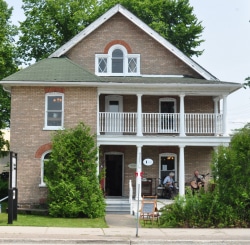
pixel 54 108
pixel 117 63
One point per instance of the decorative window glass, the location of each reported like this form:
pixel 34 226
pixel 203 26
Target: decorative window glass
pixel 54 107
pixel 44 158
pixel 117 63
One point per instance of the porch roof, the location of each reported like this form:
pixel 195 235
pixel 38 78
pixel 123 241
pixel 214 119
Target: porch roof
pixel 64 72
pixel 53 70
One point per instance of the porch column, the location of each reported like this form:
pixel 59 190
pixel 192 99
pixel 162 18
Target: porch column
pixel 139 115
pixel 182 115
pixel 216 111
pixel 225 132
pixel 97 116
pixel 181 171
pixel 216 105
pixel 138 173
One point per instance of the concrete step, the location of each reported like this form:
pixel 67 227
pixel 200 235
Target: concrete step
pixel 117 205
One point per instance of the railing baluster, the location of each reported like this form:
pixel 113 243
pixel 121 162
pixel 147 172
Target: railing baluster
pixel 195 123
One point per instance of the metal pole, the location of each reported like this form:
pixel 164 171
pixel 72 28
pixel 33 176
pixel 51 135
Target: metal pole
pixel 137 215
pixel 10 206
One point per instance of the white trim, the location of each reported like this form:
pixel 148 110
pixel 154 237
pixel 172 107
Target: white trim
pixel 126 58
pixel 175 165
pixel 42 183
pixel 46 127
pixel 120 9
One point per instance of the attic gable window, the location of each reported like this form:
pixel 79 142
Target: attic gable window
pixel 54 111
pixel 117 63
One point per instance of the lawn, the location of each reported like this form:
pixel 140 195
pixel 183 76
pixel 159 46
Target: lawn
pixel 47 221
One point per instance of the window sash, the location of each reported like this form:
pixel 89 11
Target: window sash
pixel 54 111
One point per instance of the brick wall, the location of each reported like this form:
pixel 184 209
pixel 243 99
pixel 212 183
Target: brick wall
pixel 155 59
pixel 27 134
pixel 196 158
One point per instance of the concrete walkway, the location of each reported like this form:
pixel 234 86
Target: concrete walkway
pixel 122 230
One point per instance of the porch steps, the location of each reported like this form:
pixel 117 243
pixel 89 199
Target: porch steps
pixel 117 205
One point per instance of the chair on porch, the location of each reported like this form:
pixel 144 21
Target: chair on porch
pixel 149 211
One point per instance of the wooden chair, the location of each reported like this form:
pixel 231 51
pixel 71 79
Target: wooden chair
pixel 149 211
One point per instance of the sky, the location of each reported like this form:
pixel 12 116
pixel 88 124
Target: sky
pixel 226 48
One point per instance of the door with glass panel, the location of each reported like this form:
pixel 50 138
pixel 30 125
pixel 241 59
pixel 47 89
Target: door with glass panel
pixel 167 120
pixel 114 117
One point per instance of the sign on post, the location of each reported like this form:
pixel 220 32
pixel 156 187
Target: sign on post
pixel 12 192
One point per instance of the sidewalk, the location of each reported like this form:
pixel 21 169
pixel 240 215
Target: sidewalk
pixel 121 231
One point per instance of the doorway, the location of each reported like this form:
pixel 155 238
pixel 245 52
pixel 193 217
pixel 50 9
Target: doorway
pixel 114 174
pixel 114 107
pixel 167 108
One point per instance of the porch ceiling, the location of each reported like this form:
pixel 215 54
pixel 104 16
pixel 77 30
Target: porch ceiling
pixel 163 140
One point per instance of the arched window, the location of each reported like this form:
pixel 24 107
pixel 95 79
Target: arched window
pixel 45 157
pixel 117 62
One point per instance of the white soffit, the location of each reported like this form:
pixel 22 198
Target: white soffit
pixel 120 9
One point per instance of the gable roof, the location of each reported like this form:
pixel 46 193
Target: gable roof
pixel 120 9
pixel 53 70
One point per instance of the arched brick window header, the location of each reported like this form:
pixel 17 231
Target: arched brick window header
pixel 43 149
pixel 114 42
pixel 51 90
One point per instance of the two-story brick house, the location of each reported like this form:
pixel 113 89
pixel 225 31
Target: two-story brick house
pixel 141 96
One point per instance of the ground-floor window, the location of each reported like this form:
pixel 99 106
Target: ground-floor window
pixel 45 157
pixel 167 164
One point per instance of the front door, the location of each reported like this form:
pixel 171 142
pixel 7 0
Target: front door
pixel 114 174
pixel 167 110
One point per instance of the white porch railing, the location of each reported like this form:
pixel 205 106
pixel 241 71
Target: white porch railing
pixel 195 123
pixel 160 122
pixel 118 122
pixel 204 123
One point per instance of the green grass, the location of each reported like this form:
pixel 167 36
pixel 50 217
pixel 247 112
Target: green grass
pixel 47 221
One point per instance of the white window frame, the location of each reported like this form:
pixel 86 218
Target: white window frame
pixel 42 183
pixel 126 58
pixel 46 127
pixel 168 171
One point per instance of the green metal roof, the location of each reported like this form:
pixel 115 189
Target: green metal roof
pixel 53 70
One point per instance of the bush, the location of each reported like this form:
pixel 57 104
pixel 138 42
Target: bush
pixel 226 205
pixel 71 175
pixel 3 188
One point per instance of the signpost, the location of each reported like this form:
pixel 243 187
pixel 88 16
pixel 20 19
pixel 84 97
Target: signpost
pixel 12 191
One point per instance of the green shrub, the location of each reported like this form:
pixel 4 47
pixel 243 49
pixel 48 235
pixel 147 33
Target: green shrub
pixel 3 188
pixel 71 175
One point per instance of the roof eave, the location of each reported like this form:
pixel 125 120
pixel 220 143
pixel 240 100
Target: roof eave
pixel 225 88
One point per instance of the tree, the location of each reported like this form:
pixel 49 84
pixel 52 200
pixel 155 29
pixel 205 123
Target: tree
pixel 226 205
pixel 231 171
pixel 247 83
pixel 7 65
pixel 49 24
pixel 71 175
pixel 173 19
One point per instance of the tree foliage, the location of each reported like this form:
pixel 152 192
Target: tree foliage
pixel 7 66
pixel 247 83
pixel 49 24
pixel 228 205
pixel 231 172
pixel 71 175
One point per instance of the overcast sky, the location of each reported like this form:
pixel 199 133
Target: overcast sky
pixel 227 47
